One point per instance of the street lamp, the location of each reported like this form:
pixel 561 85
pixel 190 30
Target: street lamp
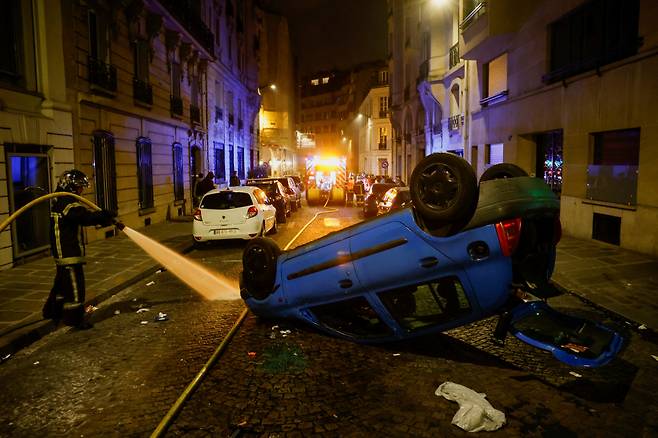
pixel 270 86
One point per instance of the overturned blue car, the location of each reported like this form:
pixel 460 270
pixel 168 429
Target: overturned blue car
pixel 464 251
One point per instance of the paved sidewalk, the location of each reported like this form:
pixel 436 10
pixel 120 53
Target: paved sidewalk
pixel 621 281
pixel 112 265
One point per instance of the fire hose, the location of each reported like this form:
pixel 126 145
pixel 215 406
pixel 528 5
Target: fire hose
pixel 43 198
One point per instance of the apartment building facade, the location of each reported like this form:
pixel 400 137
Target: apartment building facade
pixel 562 89
pixel 374 129
pixel 142 96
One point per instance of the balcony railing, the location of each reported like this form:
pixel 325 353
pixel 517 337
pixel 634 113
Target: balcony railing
pixel 470 17
pixel 195 114
pixel 454 55
pixel 191 21
pixel 455 122
pixel 231 121
pixel 102 75
pixel 219 114
pixel 142 91
pixel 176 104
pixel 383 114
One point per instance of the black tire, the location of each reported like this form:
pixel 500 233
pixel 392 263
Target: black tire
pixel 282 217
pixel 444 189
pixel 259 267
pixel 502 170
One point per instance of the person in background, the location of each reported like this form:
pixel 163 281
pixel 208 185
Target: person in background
pixel 197 180
pixel 205 185
pixel 234 181
pixel 349 195
pixel 67 217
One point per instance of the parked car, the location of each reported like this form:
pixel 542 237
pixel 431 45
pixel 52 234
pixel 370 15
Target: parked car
pixel 239 212
pixel 291 190
pixel 394 199
pixel 374 197
pixel 277 195
pixel 299 182
pixel 413 272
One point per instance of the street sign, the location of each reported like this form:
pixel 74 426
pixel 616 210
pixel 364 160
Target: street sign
pixel 385 164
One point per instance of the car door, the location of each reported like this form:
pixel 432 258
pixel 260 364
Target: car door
pixel 575 341
pixel 264 204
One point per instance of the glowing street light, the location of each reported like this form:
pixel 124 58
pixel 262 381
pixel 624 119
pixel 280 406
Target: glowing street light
pixel 270 86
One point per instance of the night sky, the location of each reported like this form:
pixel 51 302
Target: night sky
pixel 330 34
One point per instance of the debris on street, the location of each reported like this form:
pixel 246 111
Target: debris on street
pixel 36 363
pixel 90 309
pixel 116 312
pixel 654 357
pixel 475 412
pixel 142 310
pixel 159 271
pixel 642 327
pixel 252 354
pixel 575 374
pixel 396 354
pixel 161 317
pixel 150 283
pixel 144 322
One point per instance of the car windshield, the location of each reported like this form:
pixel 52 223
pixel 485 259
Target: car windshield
pixel 284 181
pixel 226 200
pixel 270 189
pixel 380 189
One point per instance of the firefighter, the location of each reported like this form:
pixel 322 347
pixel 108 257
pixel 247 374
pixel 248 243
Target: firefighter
pixel 67 217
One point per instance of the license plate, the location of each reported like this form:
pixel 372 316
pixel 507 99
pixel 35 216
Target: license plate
pixel 224 232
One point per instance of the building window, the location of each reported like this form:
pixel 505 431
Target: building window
pixel 176 100
pixel 179 191
pixel 596 33
pixel 325 80
pixel 383 77
pixel 382 138
pixel 102 75
pixel 315 82
pixel 383 107
pixel 240 162
pixel 494 80
pixel 17 63
pixel 220 162
pixel 219 112
pixel 493 154
pixel 612 174
pixel 142 91
pixel 195 109
pixel 144 173
pixel 105 170
pixel 231 160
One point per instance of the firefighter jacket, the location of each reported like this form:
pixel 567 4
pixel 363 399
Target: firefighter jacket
pixel 67 217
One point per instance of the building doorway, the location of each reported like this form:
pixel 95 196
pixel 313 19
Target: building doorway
pixel 550 159
pixel 29 178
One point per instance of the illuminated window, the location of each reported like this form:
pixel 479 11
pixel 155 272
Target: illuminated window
pixel 325 80
pixel 494 80
pixel 315 82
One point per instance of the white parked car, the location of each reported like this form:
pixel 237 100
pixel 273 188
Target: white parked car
pixel 241 212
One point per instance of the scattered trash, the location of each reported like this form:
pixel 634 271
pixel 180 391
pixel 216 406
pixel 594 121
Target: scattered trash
pixel 654 357
pixel 274 327
pixel 36 363
pixel 144 322
pixel 90 309
pixel 396 354
pixel 575 374
pixel 642 327
pixel 4 358
pixel 272 335
pixel 161 317
pixel 285 332
pixel 150 283
pixel 116 312
pixel 252 354
pixel 142 310
pixel 134 299
pixel 475 412
pixel 159 271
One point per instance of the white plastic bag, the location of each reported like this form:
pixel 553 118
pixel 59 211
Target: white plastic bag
pixel 475 413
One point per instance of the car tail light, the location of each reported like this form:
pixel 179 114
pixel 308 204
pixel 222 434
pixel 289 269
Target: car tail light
pixel 253 211
pixel 557 230
pixel 509 234
pixel 197 215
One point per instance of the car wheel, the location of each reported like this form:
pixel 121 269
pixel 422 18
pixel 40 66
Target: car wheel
pixel 502 170
pixel 281 217
pixel 444 189
pixel 259 267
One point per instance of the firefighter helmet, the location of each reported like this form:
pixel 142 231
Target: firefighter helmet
pixel 72 180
